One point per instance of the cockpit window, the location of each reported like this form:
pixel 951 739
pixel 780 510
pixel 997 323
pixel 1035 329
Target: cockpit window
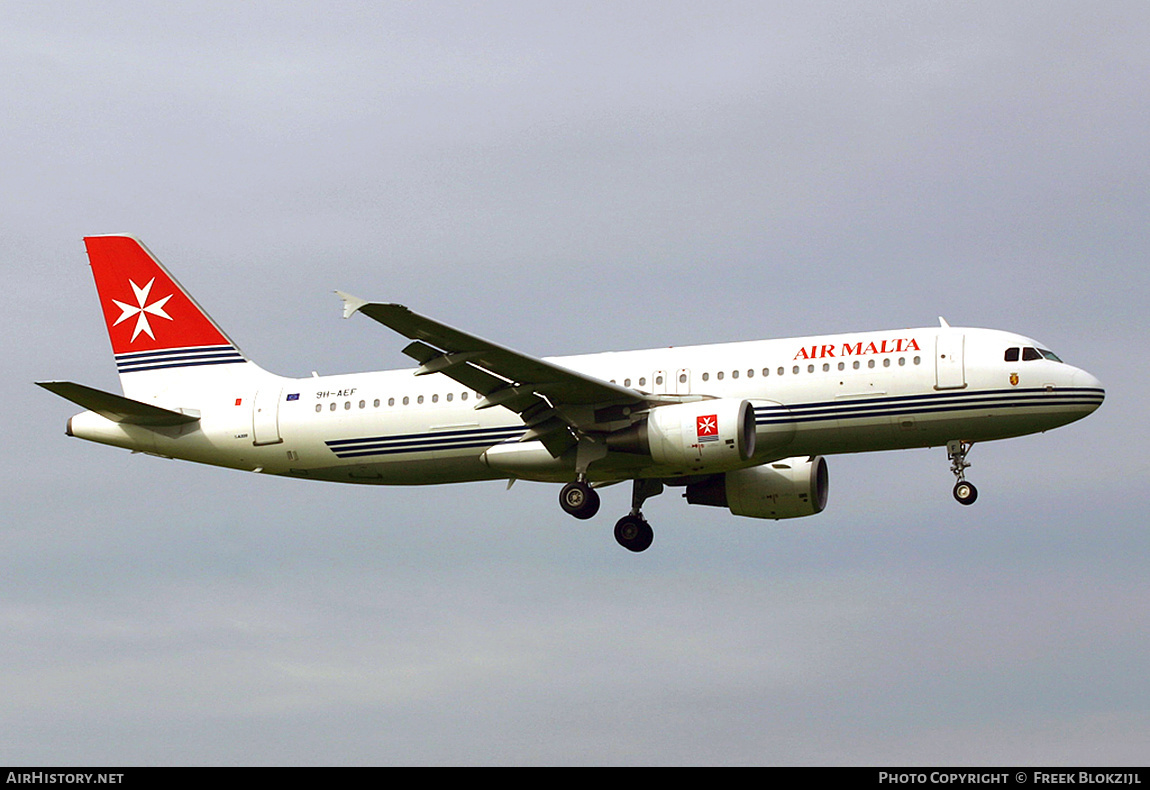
pixel 1030 354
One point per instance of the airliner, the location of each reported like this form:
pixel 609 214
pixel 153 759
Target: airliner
pixel 740 425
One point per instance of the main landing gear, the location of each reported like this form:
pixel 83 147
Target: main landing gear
pixel 579 499
pixel 956 451
pixel 632 531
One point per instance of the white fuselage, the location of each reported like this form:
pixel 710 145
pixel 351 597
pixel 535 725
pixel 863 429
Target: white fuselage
pixel 815 395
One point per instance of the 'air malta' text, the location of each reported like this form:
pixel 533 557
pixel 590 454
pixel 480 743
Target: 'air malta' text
pixel 858 349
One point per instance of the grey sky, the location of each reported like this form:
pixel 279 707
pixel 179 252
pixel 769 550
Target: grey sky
pixel 567 178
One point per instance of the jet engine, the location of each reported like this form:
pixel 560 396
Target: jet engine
pixel 693 436
pixel 788 488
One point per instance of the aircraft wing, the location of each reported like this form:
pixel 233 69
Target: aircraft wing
pixel 551 399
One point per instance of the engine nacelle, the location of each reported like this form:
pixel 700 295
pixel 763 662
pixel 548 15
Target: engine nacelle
pixel 788 488
pixel 695 436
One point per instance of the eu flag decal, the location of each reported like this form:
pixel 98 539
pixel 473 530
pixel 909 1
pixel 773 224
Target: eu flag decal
pixel 293 396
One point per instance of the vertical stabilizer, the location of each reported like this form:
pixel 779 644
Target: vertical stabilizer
pixel 160 335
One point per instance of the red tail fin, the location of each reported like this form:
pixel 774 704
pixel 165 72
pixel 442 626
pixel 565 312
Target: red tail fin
pixel 152 321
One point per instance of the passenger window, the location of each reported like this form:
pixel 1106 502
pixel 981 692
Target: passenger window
pixel 1012 355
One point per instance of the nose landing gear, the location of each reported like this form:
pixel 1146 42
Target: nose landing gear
pixel 956 451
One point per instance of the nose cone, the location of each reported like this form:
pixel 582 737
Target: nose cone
pixel 1090 389
pixel 1087 381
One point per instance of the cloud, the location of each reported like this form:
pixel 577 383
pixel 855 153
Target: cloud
pixel 569 179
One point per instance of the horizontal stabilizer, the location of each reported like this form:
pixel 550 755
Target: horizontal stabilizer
pixel 117 408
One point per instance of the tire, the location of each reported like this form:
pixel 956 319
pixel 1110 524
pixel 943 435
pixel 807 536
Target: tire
pixel 579 500
pixel 965 492
pixel 634 533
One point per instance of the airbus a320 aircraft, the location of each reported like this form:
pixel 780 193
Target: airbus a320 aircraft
pixel 738 425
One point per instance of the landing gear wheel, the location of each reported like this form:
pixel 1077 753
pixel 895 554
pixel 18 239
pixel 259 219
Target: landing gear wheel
pixel 634 533
pixel 579 499
pixel 965 492
pixel 956 451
